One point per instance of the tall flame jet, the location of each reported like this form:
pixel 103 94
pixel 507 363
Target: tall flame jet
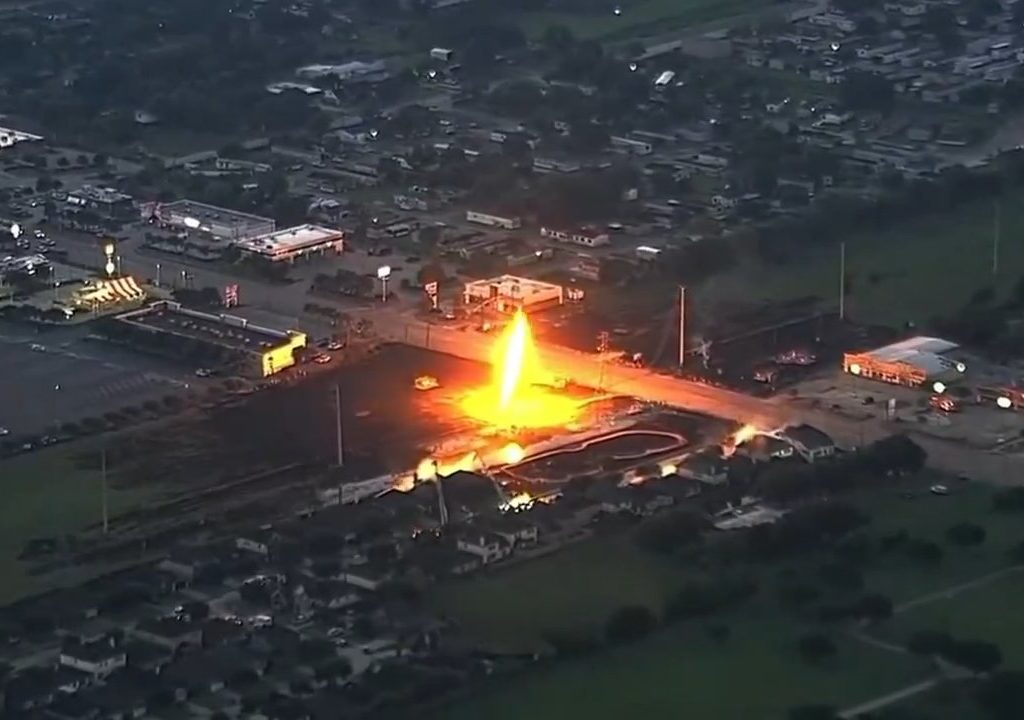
pixel 516 397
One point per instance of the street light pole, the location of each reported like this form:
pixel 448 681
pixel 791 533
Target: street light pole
pixel 842 281
pixel 158 274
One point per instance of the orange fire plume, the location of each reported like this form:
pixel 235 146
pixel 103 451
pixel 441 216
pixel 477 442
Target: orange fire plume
pixel 515 397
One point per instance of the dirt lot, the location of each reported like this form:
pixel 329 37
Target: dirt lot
pixel 386 422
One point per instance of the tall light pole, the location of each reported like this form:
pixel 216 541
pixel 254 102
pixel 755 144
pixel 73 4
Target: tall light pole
pixel 996 232
pixel 337 412
pixel 682 325
pixel 56 393
pixel 158 274
pixel 842 281
pixel 103 491
pixel 383 273
pixel 108 253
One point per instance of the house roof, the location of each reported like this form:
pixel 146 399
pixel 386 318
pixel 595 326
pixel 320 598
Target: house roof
pixel 808 437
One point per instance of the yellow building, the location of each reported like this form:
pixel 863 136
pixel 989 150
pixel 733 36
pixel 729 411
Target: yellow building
pixel 260 351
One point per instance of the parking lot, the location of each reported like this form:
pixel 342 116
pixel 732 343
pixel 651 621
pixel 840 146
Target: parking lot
pixel 46 384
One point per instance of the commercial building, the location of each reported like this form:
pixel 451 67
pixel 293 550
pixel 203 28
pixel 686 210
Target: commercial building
pixel 103 201
pixel 10 137
pixel 915 362
pixel 258 351
pixel 292 243
pixel 508 293
pixel 221 223
pixel 586 236
pixel 507 222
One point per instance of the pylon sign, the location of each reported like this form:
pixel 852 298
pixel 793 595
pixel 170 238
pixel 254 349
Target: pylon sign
pixel 231 295
pixel 430 289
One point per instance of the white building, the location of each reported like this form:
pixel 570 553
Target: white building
pixel 489 548
pixel 506 222
pixel 631 146
pixel 221 223
pixel 508 293
pixel 10 137
pixel 98 658
pixel 586 236
pixel 292 243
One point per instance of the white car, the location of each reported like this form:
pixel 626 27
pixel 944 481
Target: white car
pixel 4 431
pixel 40 235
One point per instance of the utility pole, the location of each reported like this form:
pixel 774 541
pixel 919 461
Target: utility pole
pixel 337 412
pixel 996 232
pixel 103 490
pixel 602 348
pixel 842 281
pixel 682 325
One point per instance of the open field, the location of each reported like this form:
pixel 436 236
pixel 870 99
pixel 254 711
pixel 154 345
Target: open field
pixel 911 272
pixel 638 17
pixel 986 612
pixel 576 588
pixel 927 517
pixel 680 672
pixel 677 672
pixel 45 495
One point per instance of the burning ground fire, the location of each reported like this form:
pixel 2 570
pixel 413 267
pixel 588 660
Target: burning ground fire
pixel 515 397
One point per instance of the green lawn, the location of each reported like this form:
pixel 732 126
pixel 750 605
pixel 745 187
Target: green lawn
pixel 680 672
pixel 638 16
pixel 988 612
pixel 928 517
pixel 45 495
pixel 913 271
pixel 576 588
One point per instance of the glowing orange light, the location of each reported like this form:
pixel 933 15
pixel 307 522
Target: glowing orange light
pixel 512 453
pixel 745 434
pixel 519 501
pixel 516 396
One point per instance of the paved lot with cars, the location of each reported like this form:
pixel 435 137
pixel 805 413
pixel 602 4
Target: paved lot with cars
pixel 46 384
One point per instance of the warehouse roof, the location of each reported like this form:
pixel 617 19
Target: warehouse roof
pixel 923 352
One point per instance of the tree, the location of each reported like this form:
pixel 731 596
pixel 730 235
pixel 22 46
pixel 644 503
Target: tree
pixel 813 712
pixel 670 532
pixel 867 91
pixel 1002 695
pixel 1010 500
pixel 816 647
pixel 966 534
pixel 977 656
pixel 719 632
pixel 628 624
pixel 874 608
pixel 929 642
pixel 63 161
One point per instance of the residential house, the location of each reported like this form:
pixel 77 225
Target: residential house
pixel 489 547
pixel 809 443
pixel 98 658
pixel 705 467
pixel 170 632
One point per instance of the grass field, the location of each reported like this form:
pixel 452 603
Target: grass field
pixel 45 495
pixel 928 517
pixel 576 588
pixel 681 672
pixel 638 16
pixel 987 612
pixel 678 672
pixel 911 272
